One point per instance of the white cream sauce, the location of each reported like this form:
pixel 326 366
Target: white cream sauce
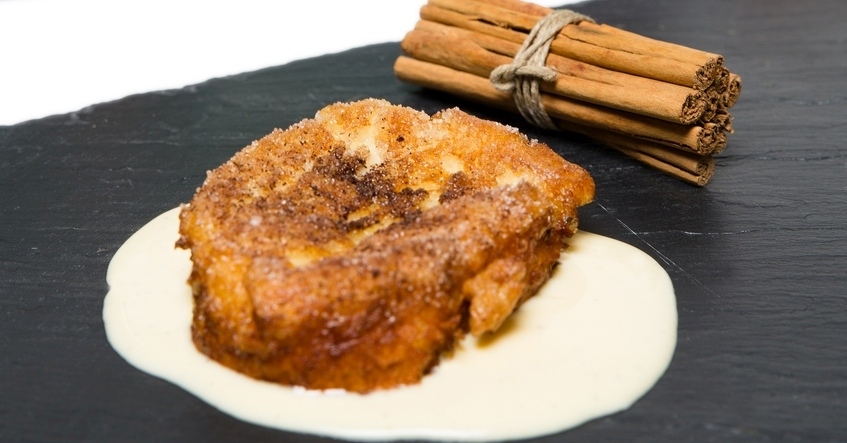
pixel 596 338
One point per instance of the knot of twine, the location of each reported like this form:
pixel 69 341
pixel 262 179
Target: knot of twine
pixel 522 76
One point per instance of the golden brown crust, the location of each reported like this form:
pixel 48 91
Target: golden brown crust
pixel 351 250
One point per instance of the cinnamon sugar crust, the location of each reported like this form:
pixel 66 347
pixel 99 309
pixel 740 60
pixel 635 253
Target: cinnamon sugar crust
pixel 353 249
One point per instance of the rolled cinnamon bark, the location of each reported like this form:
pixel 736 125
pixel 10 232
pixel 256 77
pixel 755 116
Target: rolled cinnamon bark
pixel 733 91
pixel 479 54
pixel 586 46
pixel 688 166
pixel 701 139
pixel 645 46
pixel 723 120
pixel 663 104
pixel 701 179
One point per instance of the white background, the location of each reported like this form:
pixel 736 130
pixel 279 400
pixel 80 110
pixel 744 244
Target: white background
pixel 59 56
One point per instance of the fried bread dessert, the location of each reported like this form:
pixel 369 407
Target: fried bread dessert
pixel 353 249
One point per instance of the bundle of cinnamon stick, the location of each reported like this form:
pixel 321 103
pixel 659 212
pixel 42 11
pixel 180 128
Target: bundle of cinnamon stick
pixel 663 104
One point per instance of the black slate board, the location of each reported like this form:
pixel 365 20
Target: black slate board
pixel 757 258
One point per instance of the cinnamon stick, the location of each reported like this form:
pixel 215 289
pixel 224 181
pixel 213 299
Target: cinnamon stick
pixel 589 46
pixel 670 169
pixel 646 46
pixel 712 106
pixel 723 120
pixel 479 54
pixel 688 166
pixel 733 91
pixel 522 7
pixel 701 139
pixel 663 104
pixel 683 164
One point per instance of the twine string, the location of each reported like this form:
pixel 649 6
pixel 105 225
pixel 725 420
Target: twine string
pixel 528 68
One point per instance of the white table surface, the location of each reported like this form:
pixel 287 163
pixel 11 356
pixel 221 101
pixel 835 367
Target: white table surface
pixel 59 56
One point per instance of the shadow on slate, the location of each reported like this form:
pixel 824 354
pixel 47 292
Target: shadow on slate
pixel 757 257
